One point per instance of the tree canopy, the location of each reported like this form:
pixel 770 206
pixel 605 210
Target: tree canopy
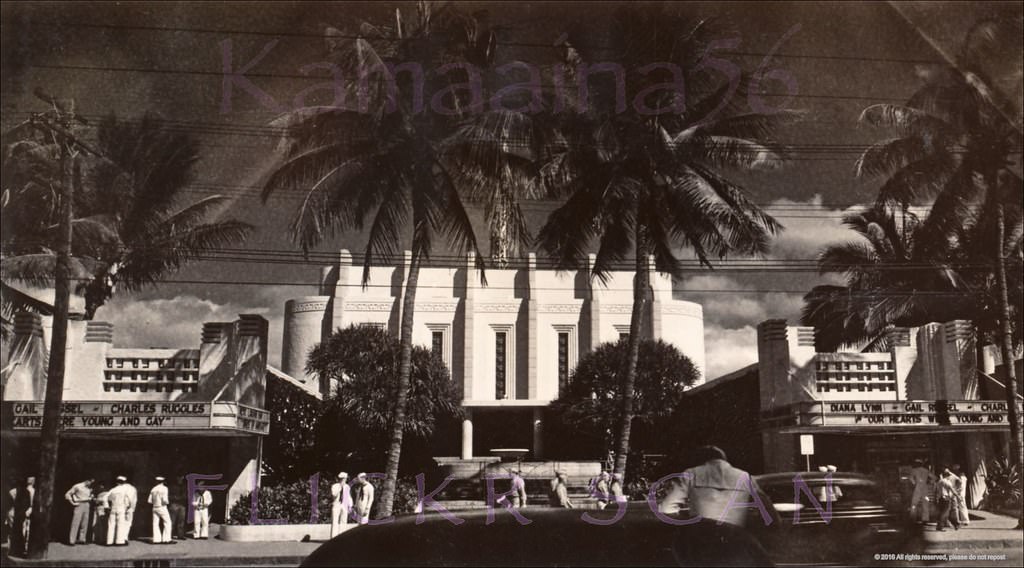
pixel 591 403
pixel 364 362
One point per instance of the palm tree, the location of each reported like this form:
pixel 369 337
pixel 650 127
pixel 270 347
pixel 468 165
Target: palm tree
pixel 384 163
pixel 956 137
pixel 130 229
pixel 896 277
pixel 642 185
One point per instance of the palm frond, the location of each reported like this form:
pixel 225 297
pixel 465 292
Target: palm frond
pixel 725 151
pixel 884 158
pixel 907 119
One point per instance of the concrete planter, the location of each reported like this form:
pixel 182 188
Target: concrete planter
pixel 278 533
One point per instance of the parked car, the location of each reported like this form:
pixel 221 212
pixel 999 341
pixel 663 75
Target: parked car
pixel 859 525
pixel 554 537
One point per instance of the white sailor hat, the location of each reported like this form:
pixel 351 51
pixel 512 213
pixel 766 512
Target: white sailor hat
pixel 159 478
pixel 122 478
pixel 343 475
pixel 361 476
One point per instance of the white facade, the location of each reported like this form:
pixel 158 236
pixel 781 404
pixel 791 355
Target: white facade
pixel 508 344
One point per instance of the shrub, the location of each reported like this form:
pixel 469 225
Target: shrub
pixel 290 502
pixel 1004 485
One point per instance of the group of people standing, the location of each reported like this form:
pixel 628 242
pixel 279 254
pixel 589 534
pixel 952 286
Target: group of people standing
pixel 948 491
pixel 104 516
pixel 350 501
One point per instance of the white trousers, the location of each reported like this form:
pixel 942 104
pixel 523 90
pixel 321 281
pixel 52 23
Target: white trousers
pixel 160 514
pixel 339 518
pixel 118 525
pixel 201 523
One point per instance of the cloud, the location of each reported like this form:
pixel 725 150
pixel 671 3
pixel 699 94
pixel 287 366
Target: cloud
pixel 729 349
pixel 736 301
pixel 177 322
pixel 809 228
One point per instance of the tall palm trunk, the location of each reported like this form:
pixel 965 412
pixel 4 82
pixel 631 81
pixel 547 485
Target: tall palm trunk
pixel 387 494
pixel 641 282
pixel 1006 346
pixel 49 438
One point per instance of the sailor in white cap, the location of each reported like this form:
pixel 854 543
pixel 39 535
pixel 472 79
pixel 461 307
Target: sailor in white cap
pixel 159 499
pixel 363 498
pixel 341 505
pixel 201 502
pixel 122 498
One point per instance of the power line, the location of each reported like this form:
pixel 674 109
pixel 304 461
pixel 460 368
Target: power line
pixel 203 72
pixel 681 290
pixel 322 37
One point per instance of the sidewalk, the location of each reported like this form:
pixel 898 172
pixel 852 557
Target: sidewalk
pixel 211 552
pixel 986 531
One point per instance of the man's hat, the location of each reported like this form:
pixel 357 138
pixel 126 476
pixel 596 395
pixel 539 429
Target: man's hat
pixel 343 475
pixel 159 478
pixel 361 476
pixel 122 478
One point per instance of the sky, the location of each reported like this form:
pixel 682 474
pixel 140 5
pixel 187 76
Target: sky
pixel 168 58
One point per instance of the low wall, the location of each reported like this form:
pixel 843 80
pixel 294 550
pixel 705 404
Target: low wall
pixel 279 533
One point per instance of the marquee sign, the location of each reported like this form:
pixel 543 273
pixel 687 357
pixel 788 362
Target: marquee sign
pixel 157 415
pixel 895 414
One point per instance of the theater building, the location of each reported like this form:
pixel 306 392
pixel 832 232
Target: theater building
pixel 142 412
pixel 924 397
pixel 510 344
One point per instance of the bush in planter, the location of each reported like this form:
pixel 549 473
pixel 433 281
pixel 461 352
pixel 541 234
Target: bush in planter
pixel 291 501
pixel 1004 485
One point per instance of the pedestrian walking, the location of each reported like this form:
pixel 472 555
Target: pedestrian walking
pixel 160 499
pixel 177 508
pixel 562 492
pixel 945 496
pixel 516 497
pixel 602 490
pixel 922 478
pixel 122 498
pixel 80 498
pixel 22 499
pixel 961 496
pixel 712 489
pixel 618 495
pixel 341 505
pixel 100 509
pixel 363 499
pixel 201 514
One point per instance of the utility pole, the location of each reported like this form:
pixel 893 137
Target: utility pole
pixel 49 438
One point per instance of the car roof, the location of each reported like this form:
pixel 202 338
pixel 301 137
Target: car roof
pixel 554 537
pixel 846 478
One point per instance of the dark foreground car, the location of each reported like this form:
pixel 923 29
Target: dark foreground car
pixel 555 537
pixel 860 524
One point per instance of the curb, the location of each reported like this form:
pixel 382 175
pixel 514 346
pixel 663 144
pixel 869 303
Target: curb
pixel 164 562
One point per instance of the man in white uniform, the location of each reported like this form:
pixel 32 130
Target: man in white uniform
pixel 122 499
pixel 364 498
pixel 201 514
pixel 159 499
pixel 341 494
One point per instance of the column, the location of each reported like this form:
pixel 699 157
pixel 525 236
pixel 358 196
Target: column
pixel 469 303
pixel 538 433
pixel 532 334
pixel 595 303
pixel 467 434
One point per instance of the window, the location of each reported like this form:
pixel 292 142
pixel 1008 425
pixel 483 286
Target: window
pixel 437 343
pixel 563 360
pixel 120 363
pixel 500 365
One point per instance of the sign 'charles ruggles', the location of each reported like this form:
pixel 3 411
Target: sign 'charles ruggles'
pixel 90 415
